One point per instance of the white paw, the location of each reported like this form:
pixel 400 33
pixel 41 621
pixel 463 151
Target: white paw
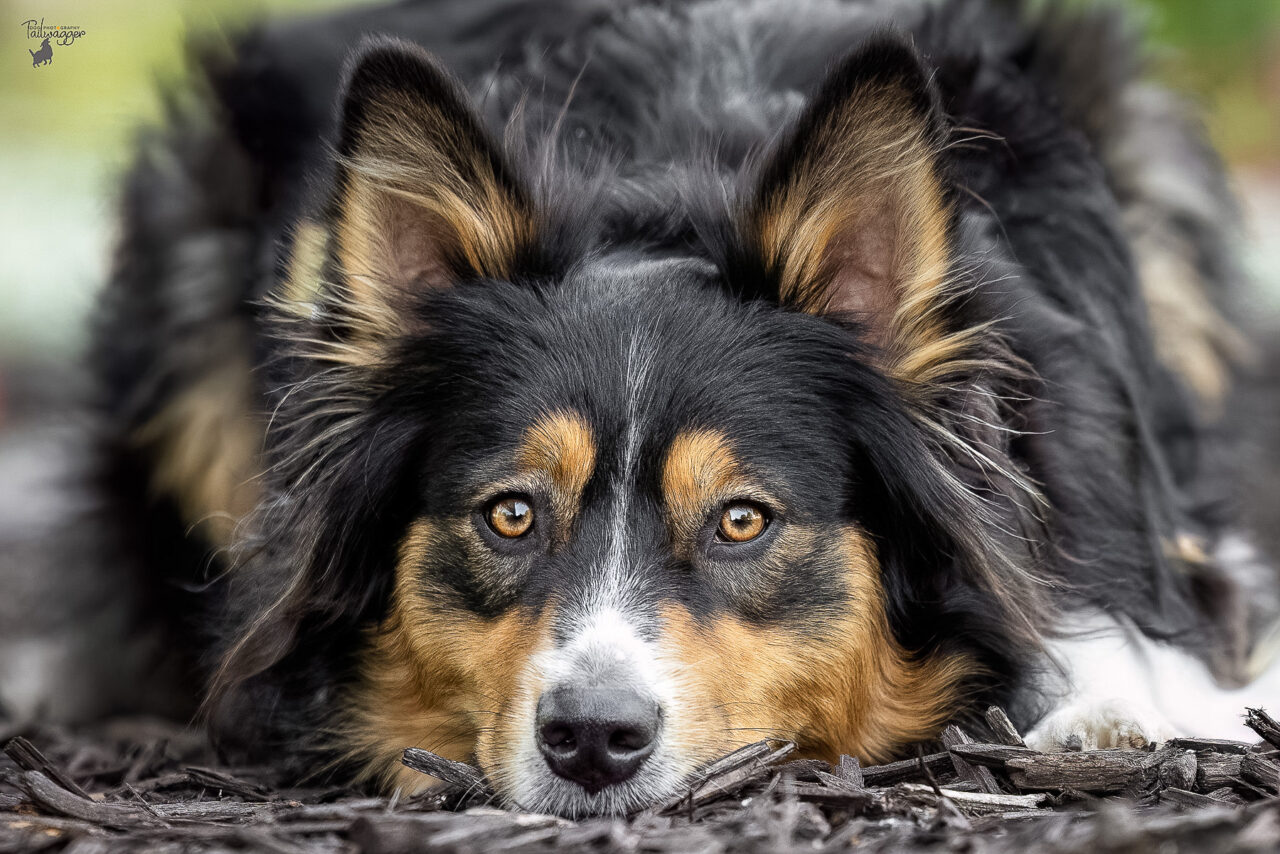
pixel 1099 724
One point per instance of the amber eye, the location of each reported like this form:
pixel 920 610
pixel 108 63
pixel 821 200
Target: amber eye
pixel 511 517
pixel 742 522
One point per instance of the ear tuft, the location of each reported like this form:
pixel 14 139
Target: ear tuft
pixel 425 198
pixel 851 214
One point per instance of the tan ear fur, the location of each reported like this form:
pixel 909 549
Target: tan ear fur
pixel 425 197
pixel 852 215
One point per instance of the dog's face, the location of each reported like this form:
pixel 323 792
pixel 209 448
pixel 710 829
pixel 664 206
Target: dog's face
pixel 646 506
pixel 636 546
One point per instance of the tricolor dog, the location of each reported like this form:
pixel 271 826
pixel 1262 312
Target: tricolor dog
pixel 584 389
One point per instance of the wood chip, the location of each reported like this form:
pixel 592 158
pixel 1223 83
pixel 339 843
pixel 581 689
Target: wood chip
pixel 1185 798
pixel 1215 770
pixel 842 798
pixel 850 770
pixel 974 802
pixel 952 737
pixel 906 769
pixel 25 756
pixel 1098 771
pixel 729 776
pixel 991 755
pixel 1002 728
pixel 227 783
pixel 1179 770
pixel 1264 725
pixel 61 801
pixel 1208 745
pixel 1261 771
pixel 456 774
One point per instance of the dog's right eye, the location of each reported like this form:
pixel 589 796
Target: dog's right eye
pixel 742 522
pixel 511 516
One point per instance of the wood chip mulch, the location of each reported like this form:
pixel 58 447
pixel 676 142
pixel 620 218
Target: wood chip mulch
pixel 139 785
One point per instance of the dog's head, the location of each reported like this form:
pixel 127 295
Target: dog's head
pixel 599 520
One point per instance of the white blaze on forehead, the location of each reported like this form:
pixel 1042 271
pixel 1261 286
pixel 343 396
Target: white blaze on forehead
pixel 605 646
pixel 614 582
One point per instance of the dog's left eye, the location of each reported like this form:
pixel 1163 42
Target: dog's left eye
pixel 511 517
pixel 742 522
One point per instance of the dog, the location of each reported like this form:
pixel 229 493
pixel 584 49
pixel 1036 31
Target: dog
pixel 43 56
pixel 597 388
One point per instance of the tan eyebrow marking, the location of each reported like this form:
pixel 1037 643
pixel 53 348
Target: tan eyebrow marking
pixel 562 446
pixel 700 468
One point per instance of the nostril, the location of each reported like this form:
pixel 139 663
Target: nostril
pixel 630 740
pixel 559 737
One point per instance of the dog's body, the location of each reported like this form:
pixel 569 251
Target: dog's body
pixel 776 402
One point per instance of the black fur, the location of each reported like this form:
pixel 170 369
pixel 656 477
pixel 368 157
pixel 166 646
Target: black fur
pixel 639 133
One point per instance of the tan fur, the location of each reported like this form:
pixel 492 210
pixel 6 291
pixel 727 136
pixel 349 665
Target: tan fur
pixel 437 677
pixel 863 228
pixel 1152 143
pixel 1186 548
pixel 851 688
pixel 1192 337
pixel 204 449
pixel 303 284
pixel 700 471
pixel 845 686
pixel 419 200
pixel 561 448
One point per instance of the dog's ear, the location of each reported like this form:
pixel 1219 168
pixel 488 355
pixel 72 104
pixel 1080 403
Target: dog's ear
pixel 850 214
pixel 424 197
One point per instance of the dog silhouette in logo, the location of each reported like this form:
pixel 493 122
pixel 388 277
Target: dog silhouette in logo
pixel 43 56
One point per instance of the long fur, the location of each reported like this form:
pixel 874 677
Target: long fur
pixel 1039 454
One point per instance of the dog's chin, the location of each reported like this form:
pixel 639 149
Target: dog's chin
pixel 537 789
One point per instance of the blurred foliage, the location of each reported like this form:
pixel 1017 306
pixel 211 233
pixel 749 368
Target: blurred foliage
pixel 1228 53
pixel 98 89
pixel 65 136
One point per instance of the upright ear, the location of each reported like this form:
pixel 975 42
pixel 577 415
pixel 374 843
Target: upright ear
pixel 424 197
pixel 851 213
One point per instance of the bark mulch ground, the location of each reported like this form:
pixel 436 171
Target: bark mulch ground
pixel 143 785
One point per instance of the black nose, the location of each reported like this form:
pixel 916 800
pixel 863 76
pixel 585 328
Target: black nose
pixel 596 736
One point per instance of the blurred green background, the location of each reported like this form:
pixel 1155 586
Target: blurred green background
pixel 65 134
pixel 65 139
